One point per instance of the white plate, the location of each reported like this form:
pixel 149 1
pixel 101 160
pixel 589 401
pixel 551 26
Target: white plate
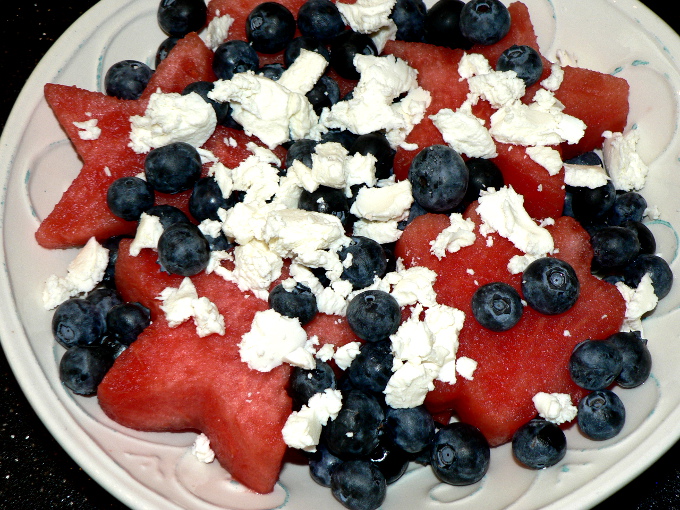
pixel 155 471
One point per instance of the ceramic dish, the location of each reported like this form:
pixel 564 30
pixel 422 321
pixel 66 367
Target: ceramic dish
pixel 157 471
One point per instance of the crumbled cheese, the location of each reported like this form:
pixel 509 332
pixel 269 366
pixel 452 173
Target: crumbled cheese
pixel 472 64
pixel 255 268
pixel 585 176
pixel 384 204
pixel 217 31
pixel 172 118
pixel 639 301
pixel 301 76
pixel 625 166
pixel 465 367
pixel 366 16
pixel 464 132
pixel 555 407
pixel 382 232
pixel 325 352
pixel 547 157
pixel 411 286
pixel 302 429
pixel 83 274
pixel 201 449
pixel 271 338
pixel 459 234
pixel 499 88
pixel 88 129
pixel 555 79
pixel 345 354
pixel 182 303
pixel 149 231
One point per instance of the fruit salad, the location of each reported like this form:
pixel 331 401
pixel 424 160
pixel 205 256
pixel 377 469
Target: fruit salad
pixel 355 233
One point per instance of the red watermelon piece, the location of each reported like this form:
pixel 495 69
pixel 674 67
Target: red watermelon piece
pixel 531 357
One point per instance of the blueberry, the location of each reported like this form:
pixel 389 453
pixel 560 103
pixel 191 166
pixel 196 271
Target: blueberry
pixel 373 315
pixel 550 286
pixel 164 48
pixel 78 322
pixel 636 358
pixel 629 206
pixel 271 71
pixel 345 47
pixel 82 368
pixel 324 94
pixel 304 42
pixel 409 16
pixel 644 235
pixel 377 145
pixel 411 429
pixel 483 174
pixel 320 19
pixel 460 454
pixel 595 364
pixel 372 367
pixel 442 25
pixel 168 214
pixel 614 247
pixel 343 137
pixel 497 306
pixel 234 56
pixel 219 243
pixel 539 444
pixel 587 158
pixel 484 21
pixel 601 415
pixel 658 269
pixel 524 60
pixel 391 461
pixel 368 261
pixel 270 26
pixel 129 197
pixel 202 88
pixel 438 177
pixel 183 250
pixel 179 17
pixel 297 303
pixel 321 465
pixel 328 201
pixel 588 204
pixel 358 485
pixel 126 321
pixel 415 211
pixel 301 150
pixel 206 199
pixel 356 430
pixel 172 168
pixel 111 244
pixel 305 383
pixel 103 299
pixel 127 79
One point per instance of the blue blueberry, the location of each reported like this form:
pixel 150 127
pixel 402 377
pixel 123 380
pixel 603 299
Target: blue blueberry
pixel 305 383
pixel 483 174
pixel 183 250
pixel 658 269
pixel 82 368
pixel 614 247
pixel 322 463
pixel 539 444
pixel 206 199
pixel 270 27
pixel 595 364
pixel 126 321
pixel 301 150
pixel 320 19
pixel 234 56
pixel 271 71
pixel 415 211
pixel 439 178
pixel 129 197
pixel 484 21
pixel 442 25
pixel 550 286
pixel 304 42
pixel 345 47
pixel 297 303
pixel 524 60
pixel 391 461
pixel 377 145
pixel 222 110
pixel 357 429
pixel 368 261
pixel 411 429
pixel 164 48
pixel 328 201
pixel 103 299
pixel 460 454
pixel 588 204
pixel 409 16
pixel 343 137
pixel 373 315
pixel 629 206
pixel 168 214
pixel 601 415
pixel 127 79
pixel 179 17
pixel 372 367
pixel 358 485
pixel 111 244
pixel 644 235
pixel 324 94
pixel 77 321
pixel 172 168
pixel 497 306
pixel 636 358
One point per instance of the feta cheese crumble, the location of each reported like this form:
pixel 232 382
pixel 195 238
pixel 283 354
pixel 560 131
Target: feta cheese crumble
pixel 623 163
pixel 459 234
pixel 88 129
pixel 464 132
pixel 201 449
pixel 182 303
pixel 302 429
pixel 639 301
pixel 555 407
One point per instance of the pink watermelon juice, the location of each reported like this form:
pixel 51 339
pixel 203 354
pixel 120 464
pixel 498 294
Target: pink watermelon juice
pixel 172 378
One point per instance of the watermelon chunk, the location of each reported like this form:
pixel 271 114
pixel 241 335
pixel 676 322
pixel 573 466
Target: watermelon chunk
pixel 532 356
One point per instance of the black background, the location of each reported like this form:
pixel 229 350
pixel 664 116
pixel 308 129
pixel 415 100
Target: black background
pixel 35 472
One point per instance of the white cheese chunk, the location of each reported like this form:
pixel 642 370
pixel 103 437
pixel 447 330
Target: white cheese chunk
pixel 585 176
pixel 555 407
pixel 148 233
pixel 182 303
pixel 623 163
pixel 465 133
pixel 302 429
pixel 459 234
